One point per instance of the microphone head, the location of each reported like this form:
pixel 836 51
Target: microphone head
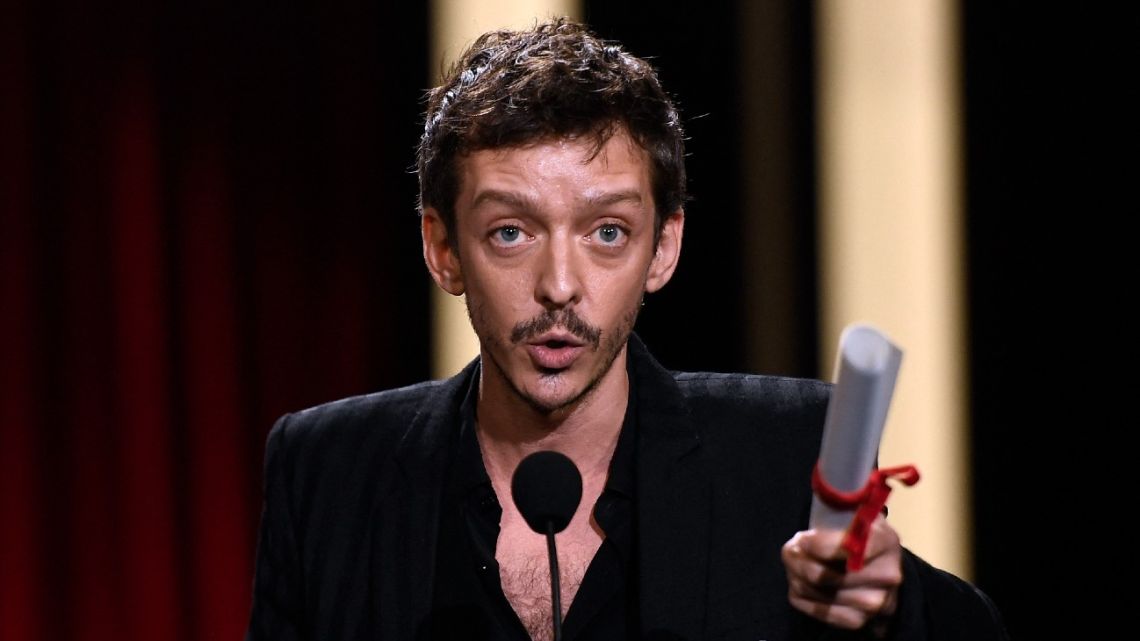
pixel 547 488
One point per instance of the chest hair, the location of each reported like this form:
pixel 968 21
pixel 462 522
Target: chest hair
pixel 524 571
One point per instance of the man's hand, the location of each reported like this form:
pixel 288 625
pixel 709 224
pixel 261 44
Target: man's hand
pixel 820 586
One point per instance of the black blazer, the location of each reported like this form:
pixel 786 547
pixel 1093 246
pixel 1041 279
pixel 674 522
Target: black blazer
pixel 352 491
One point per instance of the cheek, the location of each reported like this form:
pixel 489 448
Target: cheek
pixel 616 285
pixel 503 296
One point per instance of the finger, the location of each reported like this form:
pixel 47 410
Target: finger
pixel 884 571
pixel 883 538
pixel 839 616
pixel 825 581
pixel 811 591
pixel 847 608
pixel 872 602
pixel 883 559
pixel 802 567
pixel 820 544
pixel 811 555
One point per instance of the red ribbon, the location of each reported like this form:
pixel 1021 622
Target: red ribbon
pixel 867 500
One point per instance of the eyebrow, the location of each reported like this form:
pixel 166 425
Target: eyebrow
pixel 508 198
pixel 614 197
pixel 518 201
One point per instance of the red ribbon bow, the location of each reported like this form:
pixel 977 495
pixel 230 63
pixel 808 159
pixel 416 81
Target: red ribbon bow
pixel 867 500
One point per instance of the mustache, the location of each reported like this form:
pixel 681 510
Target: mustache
pixel 565 318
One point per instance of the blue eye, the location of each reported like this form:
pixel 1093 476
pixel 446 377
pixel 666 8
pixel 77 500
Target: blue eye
pixel 508 234
pixel 610 234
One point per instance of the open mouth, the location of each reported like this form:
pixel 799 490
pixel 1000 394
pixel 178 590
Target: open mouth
pixel 554 353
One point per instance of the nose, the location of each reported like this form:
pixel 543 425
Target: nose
pixel 558 283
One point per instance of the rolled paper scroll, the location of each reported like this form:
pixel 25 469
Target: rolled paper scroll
pixel 865 372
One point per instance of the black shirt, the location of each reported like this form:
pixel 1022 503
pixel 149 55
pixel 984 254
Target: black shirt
pixel 468 601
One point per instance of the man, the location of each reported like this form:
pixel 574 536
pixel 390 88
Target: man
pixel 552 183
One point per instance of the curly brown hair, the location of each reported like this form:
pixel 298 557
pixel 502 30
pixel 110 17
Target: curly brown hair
pixel 555 80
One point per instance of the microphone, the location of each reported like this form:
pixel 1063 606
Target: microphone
pixel 547 488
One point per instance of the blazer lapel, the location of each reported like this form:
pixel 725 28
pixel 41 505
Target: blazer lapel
pixel 673 499
pixel 407 515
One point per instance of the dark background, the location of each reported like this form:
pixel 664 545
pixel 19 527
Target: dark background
pixel 207 219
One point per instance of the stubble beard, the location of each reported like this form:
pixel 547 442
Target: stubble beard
pixel 607 344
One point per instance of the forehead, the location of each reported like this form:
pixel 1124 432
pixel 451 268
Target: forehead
pixel 557 169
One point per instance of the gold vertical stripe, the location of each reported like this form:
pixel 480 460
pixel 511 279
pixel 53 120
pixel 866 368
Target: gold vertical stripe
pixel 455 25
pixel 767 147
pixel 890 239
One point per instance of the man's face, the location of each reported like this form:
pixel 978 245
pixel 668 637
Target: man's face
pixel 555 249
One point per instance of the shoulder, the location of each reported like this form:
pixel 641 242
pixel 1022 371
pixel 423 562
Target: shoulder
pixel 380 414
pixel 346 418
pixel 323 463
pixel 778 398
pixel 732 408
pixel 352 434
pixel 774 391
pixel 775 419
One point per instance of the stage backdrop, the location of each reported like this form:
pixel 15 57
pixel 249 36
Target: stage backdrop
pixel 207 220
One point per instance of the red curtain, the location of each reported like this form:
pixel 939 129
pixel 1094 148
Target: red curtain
pixel 206 220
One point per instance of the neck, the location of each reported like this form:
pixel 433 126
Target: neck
pixel 586 431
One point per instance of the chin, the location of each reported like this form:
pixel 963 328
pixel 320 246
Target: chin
pixel 548 396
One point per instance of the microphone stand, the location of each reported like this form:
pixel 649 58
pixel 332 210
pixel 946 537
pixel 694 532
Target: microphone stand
pixel 555 582
pixel 547 488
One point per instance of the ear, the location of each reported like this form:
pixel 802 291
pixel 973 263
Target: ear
pixel 668 252
pixel 440 256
